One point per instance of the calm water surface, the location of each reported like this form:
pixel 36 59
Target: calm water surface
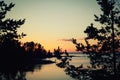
pixel 52 72
pixel 48 72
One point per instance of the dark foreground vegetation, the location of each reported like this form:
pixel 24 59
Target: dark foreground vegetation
pixel 104 55
pixel 13 53
pixel 15 56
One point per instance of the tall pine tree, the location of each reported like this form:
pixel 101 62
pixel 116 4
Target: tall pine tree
pixel 9 38
pixel 107 35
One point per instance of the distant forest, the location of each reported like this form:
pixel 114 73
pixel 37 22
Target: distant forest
pixel 12 51
pixel 105 53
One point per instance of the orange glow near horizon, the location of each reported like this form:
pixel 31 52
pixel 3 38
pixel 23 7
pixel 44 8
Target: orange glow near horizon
pixel 47 21
pixel 69 46
pixel 64 45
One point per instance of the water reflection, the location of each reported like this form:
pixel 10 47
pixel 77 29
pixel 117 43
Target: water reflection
pixel 89 72
pixel 16 72
pixel 66 68
pixel 12 74
pixel 47 71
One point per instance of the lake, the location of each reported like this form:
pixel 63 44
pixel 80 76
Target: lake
pixel 53 72
pixel 47 70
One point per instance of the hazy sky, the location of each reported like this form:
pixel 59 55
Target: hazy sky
pixel 51 22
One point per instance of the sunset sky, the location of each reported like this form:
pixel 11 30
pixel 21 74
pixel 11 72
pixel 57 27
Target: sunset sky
pixel 53 22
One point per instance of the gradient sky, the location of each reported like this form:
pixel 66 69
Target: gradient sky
pixel 51 22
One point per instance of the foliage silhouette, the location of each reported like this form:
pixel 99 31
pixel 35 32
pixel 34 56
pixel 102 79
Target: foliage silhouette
pixel 10 49
pixel 36 51
pixel 57 52
pixel 104 53
pixel 82 73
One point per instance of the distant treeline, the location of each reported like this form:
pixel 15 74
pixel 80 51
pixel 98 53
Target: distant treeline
pixel 12 51
pixel 28 52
